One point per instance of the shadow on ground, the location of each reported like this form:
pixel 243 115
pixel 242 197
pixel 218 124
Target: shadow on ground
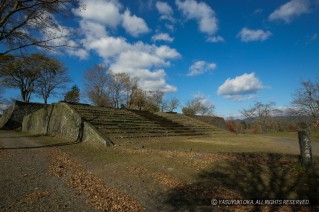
pixel 41 146
pixel 29 144
pixel 249 177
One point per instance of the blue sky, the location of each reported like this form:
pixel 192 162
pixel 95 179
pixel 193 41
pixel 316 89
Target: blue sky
pixel 231 52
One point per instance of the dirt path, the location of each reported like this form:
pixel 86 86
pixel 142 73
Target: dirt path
pixel 25 183
pixel 37 177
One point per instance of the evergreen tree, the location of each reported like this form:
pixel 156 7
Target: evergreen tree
pixel 73 95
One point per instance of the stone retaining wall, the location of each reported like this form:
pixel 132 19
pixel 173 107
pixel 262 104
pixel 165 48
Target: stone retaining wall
pixel 61 120
pixel 13 116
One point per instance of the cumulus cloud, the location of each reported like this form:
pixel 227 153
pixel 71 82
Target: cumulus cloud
pixel 93 29
pixel 133 24
pixel 109 13
pixel 144 62
pixel 62 36
pixel 241 88
pixel 290 10
pixel 162 37
pixel 106 12
pixel 249 35
pixel 201 12
pixel 201 67
pixel 138 59
pixel 215 39
pixel 164 10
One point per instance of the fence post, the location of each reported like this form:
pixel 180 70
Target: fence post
pixel 305 149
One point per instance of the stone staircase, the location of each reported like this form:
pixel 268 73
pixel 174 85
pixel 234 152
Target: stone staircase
pixel 191 123
pixel 118 124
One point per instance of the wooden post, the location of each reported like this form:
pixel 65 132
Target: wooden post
pixel 305 149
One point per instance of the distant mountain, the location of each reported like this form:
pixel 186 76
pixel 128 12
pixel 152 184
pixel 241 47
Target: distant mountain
pixel 290 119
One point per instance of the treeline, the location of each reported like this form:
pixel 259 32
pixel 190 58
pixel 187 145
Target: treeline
pixel 45 77
pixel 119 90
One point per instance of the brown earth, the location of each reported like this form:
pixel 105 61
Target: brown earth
pixel 43 178
pixel 50 174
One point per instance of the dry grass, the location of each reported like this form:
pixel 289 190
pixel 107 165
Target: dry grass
pixel 99 196
pixel 193 170
pixel 35 196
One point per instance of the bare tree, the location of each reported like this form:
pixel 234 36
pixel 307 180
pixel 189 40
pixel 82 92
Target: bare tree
pixel 172 104
pixel 130 88
pixel 53 77
pixel 198 105
pixel 119 87
pixel 306 100
pixel 206 108
pixel 96 82
pixel 155 101
pixel 138 99
pixel 32 23
pixel 261 113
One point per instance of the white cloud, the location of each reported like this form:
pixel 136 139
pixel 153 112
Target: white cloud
pixel 61 36
pixel 249 35
pixel 239 98
pixel 141 60
pixel 164 10
pixel 290 10
pixel 215 39
pixel 201 67
pixel 145 62
pixel 138 59
pixel 162 37
pixel 106 12
pixel 201 12
pixel 165 52
pixel 134 25
pixel 107 47
pixel 241 87
pixel 133 60
pixel 81 53
pixel 93 29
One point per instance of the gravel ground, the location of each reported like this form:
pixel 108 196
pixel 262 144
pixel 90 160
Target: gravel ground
pixel 35 178
pixel 25 182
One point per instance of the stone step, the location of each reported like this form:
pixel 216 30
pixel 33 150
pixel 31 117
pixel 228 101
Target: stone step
pixel 122 123
pixel 105 111
pixel 122 127
pixel 125 124
pixel 147 135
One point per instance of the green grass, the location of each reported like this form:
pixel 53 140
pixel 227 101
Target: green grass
pixel 314 135
pixel 218 143
pixel 282 134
